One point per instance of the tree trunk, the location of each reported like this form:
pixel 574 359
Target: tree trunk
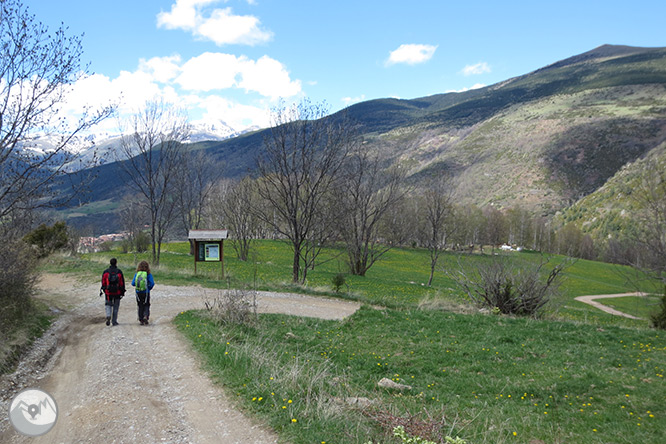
pixel 296 266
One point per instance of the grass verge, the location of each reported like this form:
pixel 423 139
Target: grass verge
pixel 23 331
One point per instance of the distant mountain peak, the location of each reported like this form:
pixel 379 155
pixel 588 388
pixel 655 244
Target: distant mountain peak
pixel 602 52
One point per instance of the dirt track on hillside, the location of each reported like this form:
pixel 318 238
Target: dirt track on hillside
pixel 591 300
pixel 133 383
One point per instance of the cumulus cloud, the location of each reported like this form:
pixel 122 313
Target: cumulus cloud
pixel 162 69
pixel 236 115
pixel 194 84
pixel 479 68
pixel 221 26
pixel 411 54
pixel 351 100
pixel 475 86
pixel 215 71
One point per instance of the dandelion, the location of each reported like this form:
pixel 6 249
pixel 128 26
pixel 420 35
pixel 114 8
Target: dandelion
pixel 293 420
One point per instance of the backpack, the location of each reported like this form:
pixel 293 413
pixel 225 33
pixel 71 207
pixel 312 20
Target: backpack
pixel 113 285
pixel 141 281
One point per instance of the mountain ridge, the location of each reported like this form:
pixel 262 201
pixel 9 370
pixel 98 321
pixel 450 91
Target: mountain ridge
pixel 542 140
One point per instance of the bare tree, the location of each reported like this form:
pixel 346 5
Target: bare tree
pixel 133 219
pixel 649 197
pixel 366 196
pixel 151 153
pixel 519 226
pixel 237 208
pixel 37 69
pixel 437 219
pixel 470 224
pixel 196 177
pixel 302 157
pixel 496 227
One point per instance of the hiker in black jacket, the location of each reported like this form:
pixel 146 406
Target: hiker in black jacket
pixel 113 286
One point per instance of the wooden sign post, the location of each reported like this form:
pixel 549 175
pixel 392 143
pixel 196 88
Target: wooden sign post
pixel 208 246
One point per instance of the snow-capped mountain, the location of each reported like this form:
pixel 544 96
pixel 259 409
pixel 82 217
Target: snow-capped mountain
pixel 214 130
pixel 103 147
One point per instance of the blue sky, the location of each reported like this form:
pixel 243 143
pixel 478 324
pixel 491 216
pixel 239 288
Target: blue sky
pixel 233 60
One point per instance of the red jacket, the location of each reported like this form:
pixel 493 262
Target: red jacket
pixel 120 290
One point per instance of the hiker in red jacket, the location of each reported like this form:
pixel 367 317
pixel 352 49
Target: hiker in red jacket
pixel 113 285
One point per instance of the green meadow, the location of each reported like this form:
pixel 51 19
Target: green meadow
pixel 575 375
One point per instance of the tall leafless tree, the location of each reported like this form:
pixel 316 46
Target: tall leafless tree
pixel 650 197
pixel 367 194
pixel 437 223
pixel 237 207
pixel 151 152
pixel 196 176
pixel 302 157
pixel 37 69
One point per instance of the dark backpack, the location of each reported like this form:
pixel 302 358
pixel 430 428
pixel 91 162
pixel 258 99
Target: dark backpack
pixel 113 286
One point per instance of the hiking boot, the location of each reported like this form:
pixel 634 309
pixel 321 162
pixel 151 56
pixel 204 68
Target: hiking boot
pixel 115 323
pixel 108 320
pixel 145 321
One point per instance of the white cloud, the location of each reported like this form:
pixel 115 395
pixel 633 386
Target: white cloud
pixel 236 115
pixel 193 84
pixel 475 86
pixel 225 28
pixel 479 68
pixel 162 69
pixel 210 71
pixel 215 71
pixel 411 54
pixel 269 78
pixel 351 100
pixel 219 25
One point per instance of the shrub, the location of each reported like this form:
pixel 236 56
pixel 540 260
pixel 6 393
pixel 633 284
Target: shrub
pixel 141 242
pixel 46 239
pixel 106 246
pixel 659 319
pixel 338 281
pixel 17 278
pixel 509 288
pixel 233 306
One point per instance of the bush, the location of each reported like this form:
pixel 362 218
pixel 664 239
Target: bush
pixel 17 279
pixel 47 240
pixel 233 306
pixel 510 289
pixel 141 242
pixel 338 281
pixel 659 319
pixel 105 246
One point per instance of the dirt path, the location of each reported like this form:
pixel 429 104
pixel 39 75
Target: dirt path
pixel 591 300
pixel 133 383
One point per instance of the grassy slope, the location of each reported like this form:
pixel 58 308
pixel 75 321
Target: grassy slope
pixel 396 281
